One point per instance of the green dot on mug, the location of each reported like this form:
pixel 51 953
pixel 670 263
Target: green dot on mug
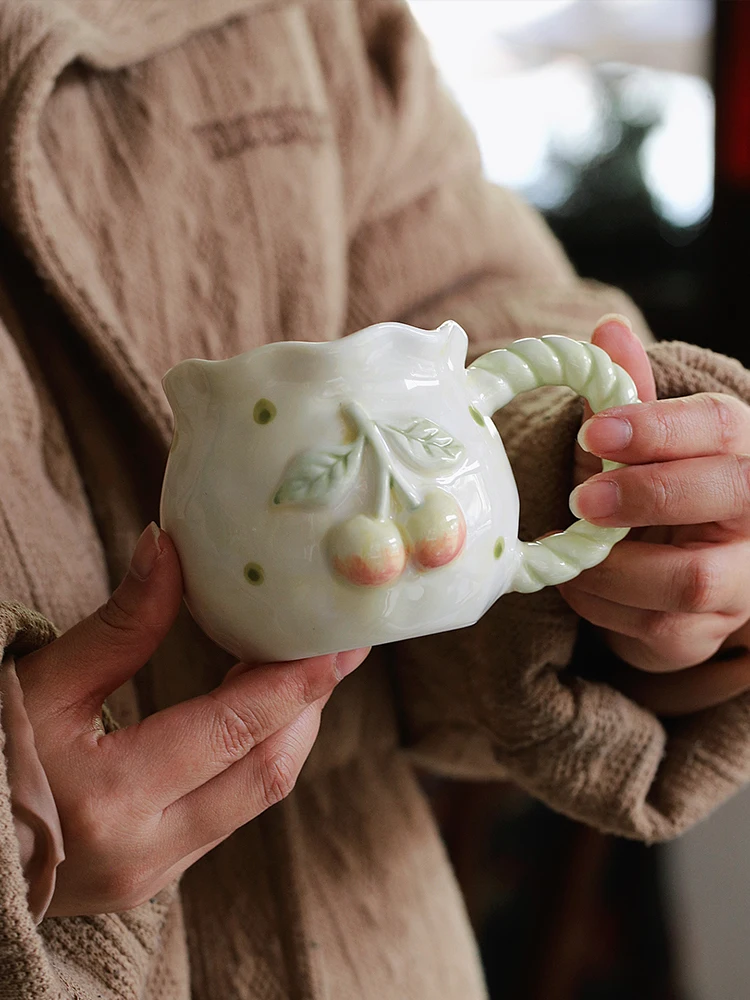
pixel 476 416
pixel 264 411
pixel 499 547
pixel 254 574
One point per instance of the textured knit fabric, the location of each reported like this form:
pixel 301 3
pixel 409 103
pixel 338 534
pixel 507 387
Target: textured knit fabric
pixel 35 816
pixel 194 179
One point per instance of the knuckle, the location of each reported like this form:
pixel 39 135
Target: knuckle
pixel 278 777
pixel 328 678
pixel 234 732
pixel 663 493
pixel 664 628
pixel 311 681
pixel 101 811
pixel 86 825
pixel 300 687
pixel 700 585
pixel 674 643
pixel 95 825
pixel 742 481
pixel 117 618
pixel 665 427
pixel 726 413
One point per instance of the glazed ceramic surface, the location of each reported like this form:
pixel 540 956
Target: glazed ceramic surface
pixel 324 496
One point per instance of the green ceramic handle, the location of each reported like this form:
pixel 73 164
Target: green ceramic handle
pixel 528 364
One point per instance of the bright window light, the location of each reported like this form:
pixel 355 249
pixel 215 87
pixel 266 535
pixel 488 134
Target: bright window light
pixel 527 74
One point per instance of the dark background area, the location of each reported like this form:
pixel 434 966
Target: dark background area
pixel 691 285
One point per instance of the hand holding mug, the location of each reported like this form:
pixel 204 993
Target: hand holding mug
pixel 676 592
pixel 139 805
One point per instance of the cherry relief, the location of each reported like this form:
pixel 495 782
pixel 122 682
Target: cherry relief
pixel 407 524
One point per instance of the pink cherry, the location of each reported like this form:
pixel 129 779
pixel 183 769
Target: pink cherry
pixel 436 530
pixel 366 551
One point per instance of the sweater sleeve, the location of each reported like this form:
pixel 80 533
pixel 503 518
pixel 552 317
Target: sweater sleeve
pixel 505 698
pixel 35 816
pixel 44 518
pixel 69 958
pixel 508 697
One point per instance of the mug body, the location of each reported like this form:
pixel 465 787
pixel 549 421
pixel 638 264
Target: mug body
pixel 287 457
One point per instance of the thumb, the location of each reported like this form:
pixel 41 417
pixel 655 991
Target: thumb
pixel 614 334
pixel 100 653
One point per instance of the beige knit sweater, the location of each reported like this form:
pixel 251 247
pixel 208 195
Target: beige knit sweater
pixel 195 177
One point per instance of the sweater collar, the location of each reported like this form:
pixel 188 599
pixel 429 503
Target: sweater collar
pixel 109 34
pixel 38 39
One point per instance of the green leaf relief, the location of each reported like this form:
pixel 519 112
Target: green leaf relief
pixel 423 444
pixel 320 477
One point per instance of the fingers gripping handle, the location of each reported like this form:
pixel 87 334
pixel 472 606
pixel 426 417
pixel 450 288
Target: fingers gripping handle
pixel 589 371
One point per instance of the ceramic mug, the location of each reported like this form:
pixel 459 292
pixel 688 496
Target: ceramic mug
pixel 325 496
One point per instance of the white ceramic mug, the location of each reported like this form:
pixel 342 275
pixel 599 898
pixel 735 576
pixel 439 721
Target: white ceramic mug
pixel 324 496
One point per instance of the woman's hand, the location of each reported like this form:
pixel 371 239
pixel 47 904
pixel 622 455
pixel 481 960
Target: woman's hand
pixel 672 595
pixel 140 805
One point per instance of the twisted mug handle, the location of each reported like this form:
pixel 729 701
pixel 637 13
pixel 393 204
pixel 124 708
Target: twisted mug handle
pixel 498 377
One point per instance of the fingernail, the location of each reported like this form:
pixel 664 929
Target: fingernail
pixel 349 661
pixel 604 434
pixel 599 499
pixel 615 318
pixel 147 551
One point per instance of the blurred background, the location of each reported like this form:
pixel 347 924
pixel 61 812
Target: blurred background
pixel 627 123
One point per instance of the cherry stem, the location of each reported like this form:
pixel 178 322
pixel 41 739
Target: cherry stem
pixel 388 474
